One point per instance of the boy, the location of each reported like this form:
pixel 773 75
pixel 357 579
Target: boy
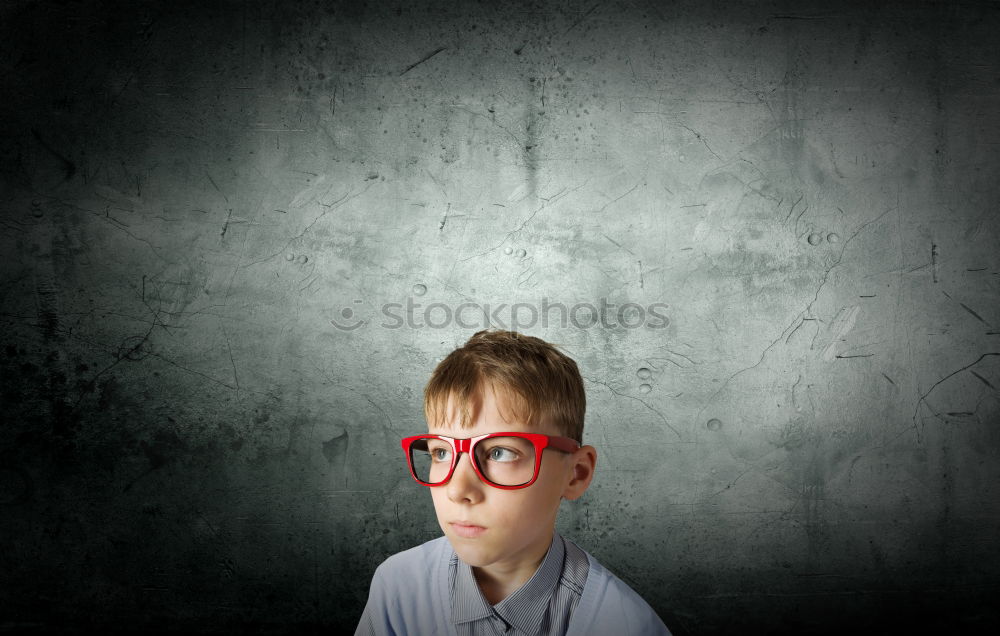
pixel 501 568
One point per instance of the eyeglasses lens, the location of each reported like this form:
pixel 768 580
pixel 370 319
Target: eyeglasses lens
pixel 505 461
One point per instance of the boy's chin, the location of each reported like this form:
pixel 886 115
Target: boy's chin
pixel 474 556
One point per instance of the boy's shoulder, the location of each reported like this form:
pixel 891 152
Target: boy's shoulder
pixel 606 577
pixel 408 593
pixel 416 559
pixel 610 603
pixel 607 605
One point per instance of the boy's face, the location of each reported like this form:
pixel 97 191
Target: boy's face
pixel 517 524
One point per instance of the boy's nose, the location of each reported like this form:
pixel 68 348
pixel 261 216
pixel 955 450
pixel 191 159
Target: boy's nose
pixel 464 482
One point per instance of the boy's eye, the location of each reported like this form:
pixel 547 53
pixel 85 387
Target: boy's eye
pixel 501 454
pixel 439 454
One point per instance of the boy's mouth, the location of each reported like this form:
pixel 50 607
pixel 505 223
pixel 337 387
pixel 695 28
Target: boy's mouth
pixel 468 531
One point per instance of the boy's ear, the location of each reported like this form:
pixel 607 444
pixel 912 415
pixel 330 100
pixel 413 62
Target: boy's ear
pixel 583 461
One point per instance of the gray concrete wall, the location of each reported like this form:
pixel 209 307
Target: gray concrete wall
pixel 213 212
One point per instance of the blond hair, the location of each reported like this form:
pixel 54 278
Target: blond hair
pixel 540 384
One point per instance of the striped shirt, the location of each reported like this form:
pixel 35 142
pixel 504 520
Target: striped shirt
pixel 410 595
pixel 542 606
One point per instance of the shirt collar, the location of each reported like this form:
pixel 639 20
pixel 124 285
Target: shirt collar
pixel 525 607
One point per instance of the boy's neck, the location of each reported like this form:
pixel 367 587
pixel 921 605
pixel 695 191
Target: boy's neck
pixel 495 589
pixel 498 581
pixel 492 591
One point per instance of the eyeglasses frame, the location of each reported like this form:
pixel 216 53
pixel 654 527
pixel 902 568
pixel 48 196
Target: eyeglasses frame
pixel 467 445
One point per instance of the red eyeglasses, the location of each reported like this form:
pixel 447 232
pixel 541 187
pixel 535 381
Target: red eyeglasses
pixel 502 460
